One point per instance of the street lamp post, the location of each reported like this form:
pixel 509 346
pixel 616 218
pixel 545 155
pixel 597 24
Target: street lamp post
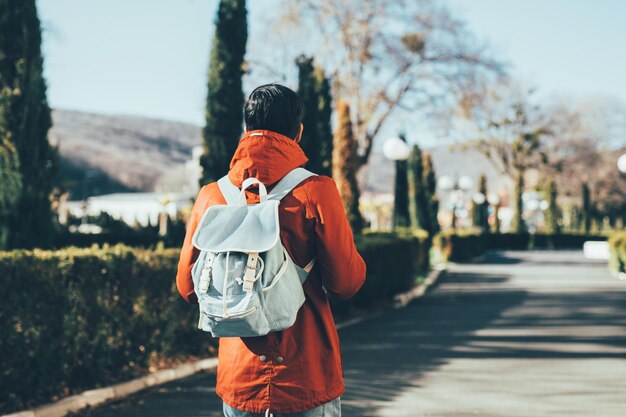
pixel 396 149
pixel 535 207
pixel 494 201
pixel 480 215
pixel 456 191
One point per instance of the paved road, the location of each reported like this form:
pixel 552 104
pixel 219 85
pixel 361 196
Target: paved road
pixel 520 334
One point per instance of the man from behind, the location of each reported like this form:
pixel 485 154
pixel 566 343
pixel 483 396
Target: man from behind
pixel 296 371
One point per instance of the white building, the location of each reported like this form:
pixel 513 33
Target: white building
pixel 140 208
pixel 132 208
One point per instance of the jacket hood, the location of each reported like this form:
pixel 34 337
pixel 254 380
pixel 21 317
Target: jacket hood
pixel 265 155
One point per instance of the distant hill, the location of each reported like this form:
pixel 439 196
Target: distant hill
pixel 121 153
pixel 104 154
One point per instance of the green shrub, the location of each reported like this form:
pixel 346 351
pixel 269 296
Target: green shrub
pixel 510 241
pixel 562 240
pixel 460 246
pixel 617 245
pixel 463 246
pixel 80 318
pixel 393 264
pixel 136 238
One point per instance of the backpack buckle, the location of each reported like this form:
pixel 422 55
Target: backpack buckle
pixel 249 276
pixel 205 279
pixel 205 275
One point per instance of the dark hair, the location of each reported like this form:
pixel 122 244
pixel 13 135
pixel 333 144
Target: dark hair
pixel 274 107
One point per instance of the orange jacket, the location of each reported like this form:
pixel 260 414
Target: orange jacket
pixel 299 368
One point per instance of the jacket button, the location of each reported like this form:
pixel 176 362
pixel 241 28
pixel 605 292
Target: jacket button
pixel 263 358
pixel 279 360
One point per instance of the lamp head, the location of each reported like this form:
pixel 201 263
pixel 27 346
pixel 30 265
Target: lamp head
pixel 396 149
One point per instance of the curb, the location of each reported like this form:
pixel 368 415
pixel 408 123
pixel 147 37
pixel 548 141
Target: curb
pixel 401 300
pixel 98 396
pixel 95 397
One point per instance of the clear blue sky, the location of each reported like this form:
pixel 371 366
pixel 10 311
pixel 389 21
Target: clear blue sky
pixel 150 57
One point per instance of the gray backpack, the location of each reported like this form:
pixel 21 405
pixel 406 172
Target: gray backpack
pixel 246 282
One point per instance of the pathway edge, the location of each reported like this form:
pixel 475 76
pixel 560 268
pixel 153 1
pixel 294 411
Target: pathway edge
pixel 99 396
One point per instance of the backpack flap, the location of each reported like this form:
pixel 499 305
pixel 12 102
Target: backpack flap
pixel 249 228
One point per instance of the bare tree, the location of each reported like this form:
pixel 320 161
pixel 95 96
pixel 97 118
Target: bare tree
pixel 574 142
pixel 575 148
pixel 587 138
pixel 503 124
pixel 386 56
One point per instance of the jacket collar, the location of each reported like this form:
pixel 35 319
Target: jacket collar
pixel 265 155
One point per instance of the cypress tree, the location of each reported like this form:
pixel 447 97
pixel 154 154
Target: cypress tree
pixel 314 89
pixel 552 218
pixel 586 208
pixel 11 186
pixel 225 98
pixel 482 215
pixel 575 223
pixel 496 218
pixel 401 217
pixel 324 123
pixel 430 189
pixel 419 208
pixel 24 123
pixel 308 93
pixel 345 166
pixel 518 221
pixel 473 214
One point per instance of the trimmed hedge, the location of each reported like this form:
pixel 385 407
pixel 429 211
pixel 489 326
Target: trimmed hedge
pixel 511 241
pixel 563 240
pixel 393 263
pixel 617 245
pixel 80 318
pixel 459 247
pixel 143 239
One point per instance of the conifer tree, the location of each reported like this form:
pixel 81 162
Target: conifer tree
pixel 496 218
pixel 430 188
pixel 586 208
pixel 308 93
pixel 24 124
pixel 575 215
pixel 314 89
pixel 401 216
pixel 518 221
pixel 345 166
pixel 419 206
pixel 552 216
pixel 324 123
pixel 481 211
pixel 10 188
pixel 225 98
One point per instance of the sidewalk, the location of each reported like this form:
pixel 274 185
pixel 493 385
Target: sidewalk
pixel 97 397
pixel 536 334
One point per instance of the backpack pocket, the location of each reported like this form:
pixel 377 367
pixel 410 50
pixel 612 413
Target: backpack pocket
pixel 240 315
pixel 284 295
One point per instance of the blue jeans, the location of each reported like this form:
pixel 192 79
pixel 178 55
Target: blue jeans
pixel 330 409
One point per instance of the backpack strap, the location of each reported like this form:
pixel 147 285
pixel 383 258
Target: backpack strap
pixel 288 183
pixel 229 190
pixel 280 190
